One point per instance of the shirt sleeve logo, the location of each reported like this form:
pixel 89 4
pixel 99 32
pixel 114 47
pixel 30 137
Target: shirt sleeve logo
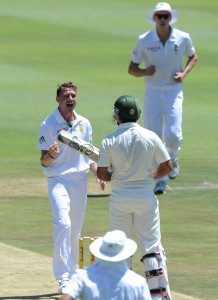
pixel 42 140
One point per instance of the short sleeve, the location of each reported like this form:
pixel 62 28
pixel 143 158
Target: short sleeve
pixel 161 155
pixel 46 137
pixel 190 50
pixel 138 53
pixel 104 155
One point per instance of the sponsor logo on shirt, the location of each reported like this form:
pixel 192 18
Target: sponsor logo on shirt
pixel 66 129
pixel 153 49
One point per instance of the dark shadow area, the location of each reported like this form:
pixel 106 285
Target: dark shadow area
pixel 96 196
pixel 39 297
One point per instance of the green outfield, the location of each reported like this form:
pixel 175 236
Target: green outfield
pixel 47 42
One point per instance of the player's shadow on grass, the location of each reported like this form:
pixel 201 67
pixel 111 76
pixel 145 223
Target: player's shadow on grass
pixel 39 297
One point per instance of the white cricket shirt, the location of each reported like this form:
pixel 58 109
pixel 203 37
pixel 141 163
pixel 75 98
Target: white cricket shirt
pixel 106 281
pixel 133 152
pixel 67 161
pixel 167 59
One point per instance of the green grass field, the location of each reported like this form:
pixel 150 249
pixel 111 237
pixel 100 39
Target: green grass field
pixel 47 42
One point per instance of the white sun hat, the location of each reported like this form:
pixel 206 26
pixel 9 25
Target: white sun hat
pixel 113 247
pixel 162 6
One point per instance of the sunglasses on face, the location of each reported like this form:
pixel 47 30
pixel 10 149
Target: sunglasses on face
pixel 160 16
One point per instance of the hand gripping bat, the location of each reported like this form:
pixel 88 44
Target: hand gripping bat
pixel 79 145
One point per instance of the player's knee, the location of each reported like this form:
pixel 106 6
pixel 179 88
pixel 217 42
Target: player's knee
pixel 155 272
pixel 173 137
pixel 63 223
pixel 173 144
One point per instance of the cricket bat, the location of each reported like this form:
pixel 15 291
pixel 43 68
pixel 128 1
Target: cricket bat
pixel 79 145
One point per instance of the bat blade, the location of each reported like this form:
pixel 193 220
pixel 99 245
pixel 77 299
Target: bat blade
pixel 78 145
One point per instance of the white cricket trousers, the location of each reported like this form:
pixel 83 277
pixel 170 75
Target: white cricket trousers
pixel 163 115
pixel 68 203
pixel 136 212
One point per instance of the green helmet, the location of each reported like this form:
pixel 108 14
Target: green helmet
pixel 127 108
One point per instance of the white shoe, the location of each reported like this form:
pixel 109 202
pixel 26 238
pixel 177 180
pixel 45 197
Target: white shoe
pixel 160 188
pixel 63 283
pixel 175 171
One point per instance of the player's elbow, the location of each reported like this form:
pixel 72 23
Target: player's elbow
pixel 170 165
pixel 131 68
pixel 102 174
pixel 194 58
pixel 131 71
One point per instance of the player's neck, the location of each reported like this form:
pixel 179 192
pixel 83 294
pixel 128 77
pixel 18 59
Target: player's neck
pixel 68 116
pixel 163 33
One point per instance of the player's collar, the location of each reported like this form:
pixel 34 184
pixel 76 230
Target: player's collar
pixel 59 119
pixel 128 125
pixel 157 39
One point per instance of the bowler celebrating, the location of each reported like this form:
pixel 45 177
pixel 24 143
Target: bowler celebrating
pixel 66 171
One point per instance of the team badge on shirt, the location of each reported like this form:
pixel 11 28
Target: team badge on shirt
pixel 176 49
pixel 81 128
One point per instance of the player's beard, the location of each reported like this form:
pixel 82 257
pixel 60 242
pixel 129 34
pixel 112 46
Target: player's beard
pixel 114 118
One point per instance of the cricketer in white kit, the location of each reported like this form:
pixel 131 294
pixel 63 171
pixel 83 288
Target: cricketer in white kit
pixel 66 171
pixel 162 50
pixel 132 152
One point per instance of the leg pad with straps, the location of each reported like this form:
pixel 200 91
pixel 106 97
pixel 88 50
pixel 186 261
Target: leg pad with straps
pixel 161 293
pixel 156 274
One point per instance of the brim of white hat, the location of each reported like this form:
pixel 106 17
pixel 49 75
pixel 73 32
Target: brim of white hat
pixel 128 250
pixel 173 20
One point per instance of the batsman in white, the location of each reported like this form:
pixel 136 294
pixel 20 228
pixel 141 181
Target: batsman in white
pixel 66 171
pixel 163 50
pixel 132 152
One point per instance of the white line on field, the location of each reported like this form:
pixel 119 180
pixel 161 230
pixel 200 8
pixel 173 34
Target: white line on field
pixel 202 186
pixel 177 296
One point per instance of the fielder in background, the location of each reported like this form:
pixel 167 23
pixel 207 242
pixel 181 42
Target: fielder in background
pixel 163 50
pixel 66 171
pixel 109 277
pixel 132 151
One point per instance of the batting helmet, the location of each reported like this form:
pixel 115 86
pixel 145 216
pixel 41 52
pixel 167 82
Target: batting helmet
pixel 127 108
